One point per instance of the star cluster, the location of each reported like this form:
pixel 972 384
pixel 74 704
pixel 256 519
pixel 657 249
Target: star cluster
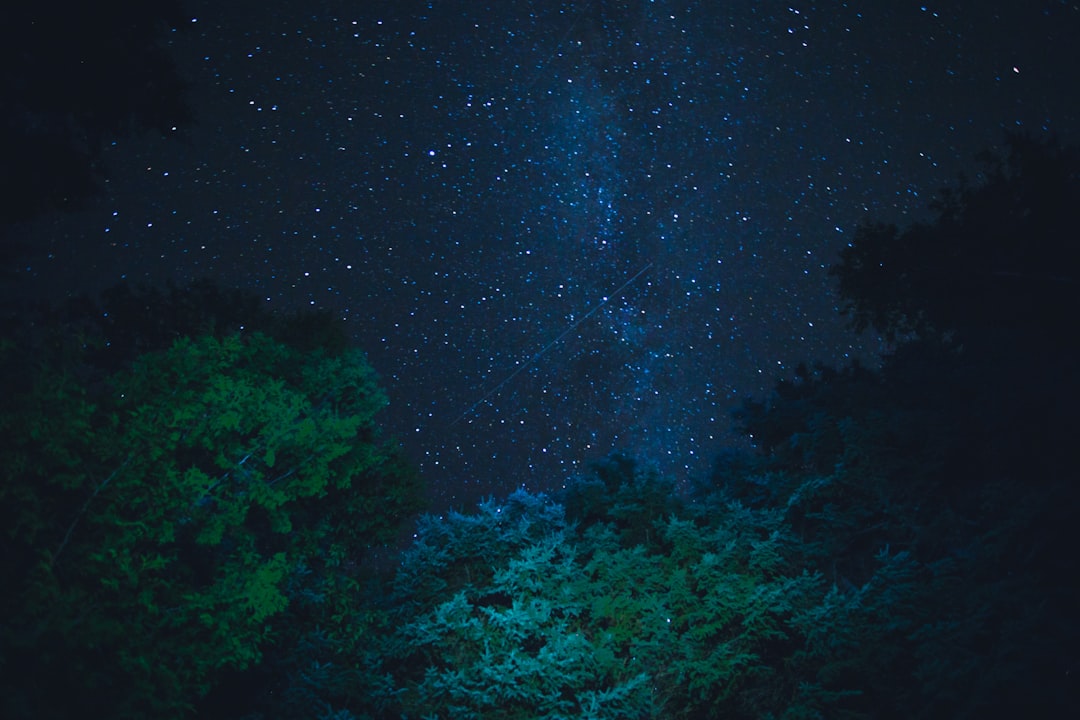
pixel 563 228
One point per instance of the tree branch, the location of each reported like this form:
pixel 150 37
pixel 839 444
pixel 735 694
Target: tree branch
pixel 83 509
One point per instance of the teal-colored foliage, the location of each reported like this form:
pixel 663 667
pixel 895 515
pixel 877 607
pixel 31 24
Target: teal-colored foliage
pixel 699 607
pixel 620 490
pixel 513 612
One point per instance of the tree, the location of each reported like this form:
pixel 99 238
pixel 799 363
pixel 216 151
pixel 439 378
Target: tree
pixel 76 77
pixel 945 480
pixel 997 265
pixel 159 520
pixel 642 607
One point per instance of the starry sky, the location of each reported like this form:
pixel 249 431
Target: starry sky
pixel 561 228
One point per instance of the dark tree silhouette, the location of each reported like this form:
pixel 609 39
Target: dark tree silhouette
pixel 76 76
pixel 958 451
pixel 998 264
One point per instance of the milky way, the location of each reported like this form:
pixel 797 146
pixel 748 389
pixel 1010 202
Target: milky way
pixel 560 229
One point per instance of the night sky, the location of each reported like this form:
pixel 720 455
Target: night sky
pixel 561 228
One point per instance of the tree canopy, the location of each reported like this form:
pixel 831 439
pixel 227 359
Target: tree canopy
pixel 997 264
pixel 958 449
pixel 190 487
pixel 165 517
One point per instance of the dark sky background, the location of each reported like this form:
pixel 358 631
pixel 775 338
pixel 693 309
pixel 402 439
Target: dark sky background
pixel 561 228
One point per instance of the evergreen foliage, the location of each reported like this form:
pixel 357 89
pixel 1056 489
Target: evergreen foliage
pixel 513 612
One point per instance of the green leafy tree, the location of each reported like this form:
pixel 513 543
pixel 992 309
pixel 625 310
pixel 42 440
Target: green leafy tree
pixel 158 521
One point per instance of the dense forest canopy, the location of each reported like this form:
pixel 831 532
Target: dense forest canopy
pixel 196 495
pixel 170 500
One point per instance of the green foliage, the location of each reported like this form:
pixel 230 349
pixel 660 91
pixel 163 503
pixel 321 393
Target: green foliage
pixel 501 632
pixel 621 490
pixel 154 520
pixel 718 610
pixel 512 612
